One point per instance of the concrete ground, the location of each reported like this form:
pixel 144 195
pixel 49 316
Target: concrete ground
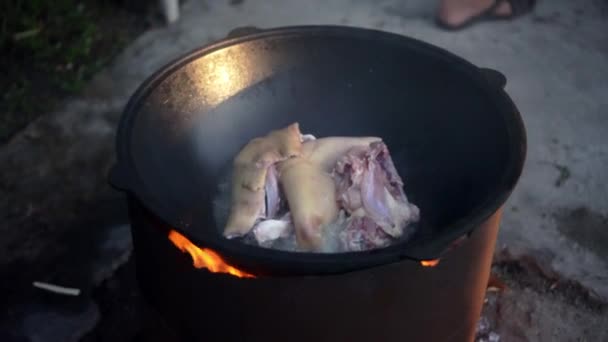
pixel 556 61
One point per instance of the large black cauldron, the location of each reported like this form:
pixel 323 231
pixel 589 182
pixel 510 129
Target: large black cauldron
pixel 454 134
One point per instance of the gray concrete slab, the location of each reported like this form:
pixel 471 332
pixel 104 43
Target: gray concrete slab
pixel 556 62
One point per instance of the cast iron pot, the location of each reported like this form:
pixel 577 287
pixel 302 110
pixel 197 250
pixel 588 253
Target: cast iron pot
pixel 455 136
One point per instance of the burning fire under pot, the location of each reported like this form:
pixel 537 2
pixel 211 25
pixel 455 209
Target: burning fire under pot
pixel 455 136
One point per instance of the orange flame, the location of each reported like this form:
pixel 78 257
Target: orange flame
pixel 204 257
pixel 429 263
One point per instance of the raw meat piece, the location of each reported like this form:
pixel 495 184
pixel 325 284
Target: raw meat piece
pixel 348 175
pixel 311 197
pixel 368 186
pixel 339 194
pixel 273 193
pixel 255 158
pixel 250 169
pixel 275 146
pixel 245 209
pixel 327 151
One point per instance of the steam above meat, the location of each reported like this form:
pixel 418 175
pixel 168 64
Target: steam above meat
pixel 334 194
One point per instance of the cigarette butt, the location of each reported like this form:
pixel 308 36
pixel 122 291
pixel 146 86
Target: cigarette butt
pixel 25 34
pixel 68 291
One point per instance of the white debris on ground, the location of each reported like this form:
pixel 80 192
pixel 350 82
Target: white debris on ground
pixel 68 291
pixel 486 325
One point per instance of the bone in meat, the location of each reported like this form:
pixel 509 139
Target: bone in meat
pixel 267 231
pixel 390 213
pixel 273 195
pixel 368 185
pixel 311 196
pixel 250 169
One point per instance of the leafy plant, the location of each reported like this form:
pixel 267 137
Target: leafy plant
pixel 49 49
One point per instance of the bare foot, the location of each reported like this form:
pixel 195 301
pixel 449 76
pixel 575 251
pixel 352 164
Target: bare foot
pixel 456 12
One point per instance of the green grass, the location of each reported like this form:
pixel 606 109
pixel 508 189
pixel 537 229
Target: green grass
pixel 50 49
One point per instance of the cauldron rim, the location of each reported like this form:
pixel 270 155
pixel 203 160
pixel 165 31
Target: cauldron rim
pixel 124 175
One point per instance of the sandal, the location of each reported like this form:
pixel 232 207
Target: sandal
pixel 518 8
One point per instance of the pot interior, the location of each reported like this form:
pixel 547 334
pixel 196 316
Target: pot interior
pixel 456 140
